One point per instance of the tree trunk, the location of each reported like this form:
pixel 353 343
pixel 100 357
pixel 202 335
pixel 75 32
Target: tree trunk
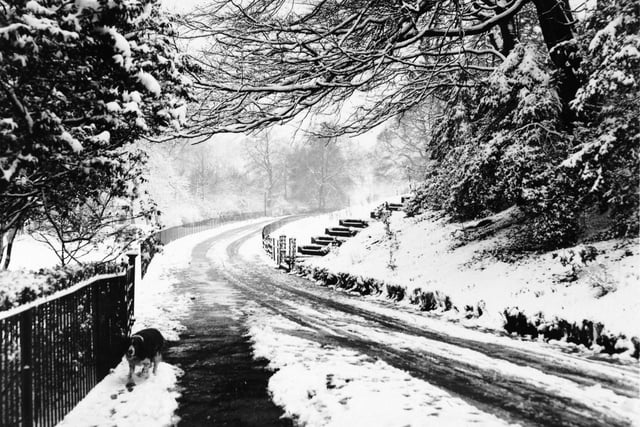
pixel 2 248
pixel 556 23
pixel 284 180
pixel 2 244
pixel 321 197
pixel 508 37
pixel 269 201
pixel 272 185
pixel 8 247
pixel 265 203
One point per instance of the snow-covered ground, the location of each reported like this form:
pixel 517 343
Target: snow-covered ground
pixel 153 401
pixel 320 385
pixel 428 258
pixel 30 254
pixel 323 385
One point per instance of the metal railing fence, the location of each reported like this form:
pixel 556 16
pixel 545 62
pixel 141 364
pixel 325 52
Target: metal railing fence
pixel 172 233
pixel 54 351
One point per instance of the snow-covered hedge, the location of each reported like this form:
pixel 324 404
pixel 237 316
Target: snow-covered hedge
pixel 21 287
pixel 590 334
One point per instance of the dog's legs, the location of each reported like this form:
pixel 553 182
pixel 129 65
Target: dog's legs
pixel 145 368
pixel 156 359
pixel 132 367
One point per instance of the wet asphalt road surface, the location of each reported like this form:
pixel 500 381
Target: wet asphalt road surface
pixel 224 385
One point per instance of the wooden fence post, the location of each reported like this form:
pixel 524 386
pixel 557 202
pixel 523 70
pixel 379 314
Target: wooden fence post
pixel 274 248
pixel 292 253
pixel 282 250
pixel 26 320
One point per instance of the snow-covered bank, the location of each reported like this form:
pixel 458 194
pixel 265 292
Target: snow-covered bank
pixel 306 228
pixel 428 259
pixel 319 385
pixel 158 304
pixel 152 402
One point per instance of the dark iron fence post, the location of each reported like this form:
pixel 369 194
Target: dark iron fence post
pixel 131 260
pixel 26 320
pixel 130 281
pixel 98 331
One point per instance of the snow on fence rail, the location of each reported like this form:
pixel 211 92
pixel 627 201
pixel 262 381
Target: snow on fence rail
pixel 53 351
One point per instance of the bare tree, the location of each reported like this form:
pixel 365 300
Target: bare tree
pixel 320 172
pixel 268 62
pixel 265 159
pixel 204 175
pixel 402 147
pixel 104 223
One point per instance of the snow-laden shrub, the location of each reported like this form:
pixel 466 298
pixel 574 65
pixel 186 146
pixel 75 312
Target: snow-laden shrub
pixel 508 142
pixel 149 247
pixel 553 220
pixel 601 282
pixel 80 82
pixel 430 300
pixel 604 165
pixel 587 333
pixel 517 141
pixel 21 287
pixel 500 146
pixel 396 292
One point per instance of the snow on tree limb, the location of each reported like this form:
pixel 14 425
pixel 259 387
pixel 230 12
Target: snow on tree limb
pixel 74 144
pixel 149 82
pixel 66 122
pixel 266 63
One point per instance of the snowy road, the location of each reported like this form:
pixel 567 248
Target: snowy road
pixel 344 360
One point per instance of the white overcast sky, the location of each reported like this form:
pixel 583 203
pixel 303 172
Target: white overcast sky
pixel 181 5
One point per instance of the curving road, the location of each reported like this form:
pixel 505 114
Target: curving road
pixel 528 384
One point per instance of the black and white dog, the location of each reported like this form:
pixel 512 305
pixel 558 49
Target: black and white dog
pixel 144 349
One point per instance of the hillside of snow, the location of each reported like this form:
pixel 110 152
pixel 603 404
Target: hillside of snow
pixel 427 253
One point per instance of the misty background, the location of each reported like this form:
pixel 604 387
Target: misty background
pixel 279 171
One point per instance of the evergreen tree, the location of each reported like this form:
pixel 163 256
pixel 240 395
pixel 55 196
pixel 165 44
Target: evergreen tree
pixel 79 81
